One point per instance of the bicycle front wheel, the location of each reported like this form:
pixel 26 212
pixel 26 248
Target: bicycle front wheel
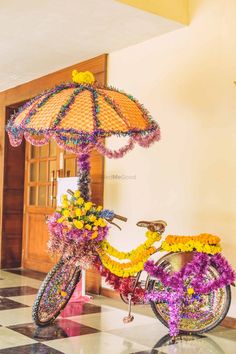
pixel 55 291
pixel 206 312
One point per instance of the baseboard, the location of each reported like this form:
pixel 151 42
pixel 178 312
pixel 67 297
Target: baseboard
pixel 110 293
pixel 229 322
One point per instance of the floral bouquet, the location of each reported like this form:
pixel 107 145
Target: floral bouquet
pixel 76 226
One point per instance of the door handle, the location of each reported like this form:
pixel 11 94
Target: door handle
pixel 46 217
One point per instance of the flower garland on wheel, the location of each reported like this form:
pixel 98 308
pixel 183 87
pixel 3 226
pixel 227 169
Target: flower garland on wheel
pixel 178 289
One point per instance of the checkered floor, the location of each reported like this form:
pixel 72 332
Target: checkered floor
pixel 92 328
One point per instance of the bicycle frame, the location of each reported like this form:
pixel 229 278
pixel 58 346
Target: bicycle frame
pixel 137 277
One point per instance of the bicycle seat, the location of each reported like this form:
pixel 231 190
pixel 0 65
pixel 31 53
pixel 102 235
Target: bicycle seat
pixel 156 225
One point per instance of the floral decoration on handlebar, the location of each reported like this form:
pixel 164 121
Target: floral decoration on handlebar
pixel 76 223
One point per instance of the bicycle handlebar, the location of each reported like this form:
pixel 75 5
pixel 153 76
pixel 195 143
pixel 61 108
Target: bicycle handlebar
pixel 119 217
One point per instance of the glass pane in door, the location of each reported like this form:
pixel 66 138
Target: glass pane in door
pixel 33 172
pixel 69 167
pixel 43 171
pixel 52 148
pixel 33 151
pixel 42 196
pixel 43 151
pixel 32 195
pixel 52 170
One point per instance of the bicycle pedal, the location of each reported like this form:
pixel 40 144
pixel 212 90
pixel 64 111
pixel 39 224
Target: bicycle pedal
pixel 128 319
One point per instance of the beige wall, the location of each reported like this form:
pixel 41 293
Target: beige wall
pixel 185 78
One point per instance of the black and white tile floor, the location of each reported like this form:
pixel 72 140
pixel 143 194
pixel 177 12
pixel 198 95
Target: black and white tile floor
pixel 94 328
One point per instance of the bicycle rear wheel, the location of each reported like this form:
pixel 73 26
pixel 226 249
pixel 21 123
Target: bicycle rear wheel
pixel 55 291
pixel 203 314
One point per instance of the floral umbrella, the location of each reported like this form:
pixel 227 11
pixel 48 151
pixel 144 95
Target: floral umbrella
pixel 79 115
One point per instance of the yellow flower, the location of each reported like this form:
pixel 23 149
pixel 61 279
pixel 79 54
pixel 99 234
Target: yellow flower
pixel 60 220
pixel 78 224
pixel 63 293
pixel 99 208
pixel 77 194
pixel 85 77
pixel 94 234
pixel 78 212
pixel 64 198
pixel 66 213
pixel 88 205
pixel 101 222
pixel 80 201
pixel 92 218
pixel 65 205
pixel 190 291
pixel 88 227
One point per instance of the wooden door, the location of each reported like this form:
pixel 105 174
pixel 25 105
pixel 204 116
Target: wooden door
pixel 39 202
pixel 43 165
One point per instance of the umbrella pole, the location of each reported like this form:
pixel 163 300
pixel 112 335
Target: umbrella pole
pixel 83 173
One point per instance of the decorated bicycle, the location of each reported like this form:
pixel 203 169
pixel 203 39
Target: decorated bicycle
pixel 189 287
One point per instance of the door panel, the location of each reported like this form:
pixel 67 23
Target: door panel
pixel 36 255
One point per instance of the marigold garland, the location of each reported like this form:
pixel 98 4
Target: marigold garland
pixel 125 269
pixel 205 243
pixel 137 256
pixel 136 253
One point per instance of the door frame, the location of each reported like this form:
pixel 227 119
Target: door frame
pixel 24 92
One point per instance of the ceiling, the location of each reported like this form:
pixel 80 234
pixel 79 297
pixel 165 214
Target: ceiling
pixel 39 37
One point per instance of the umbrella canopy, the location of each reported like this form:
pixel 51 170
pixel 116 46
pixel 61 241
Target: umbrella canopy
pixel 81 114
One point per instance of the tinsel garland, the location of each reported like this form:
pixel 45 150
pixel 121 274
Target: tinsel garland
pixel 114 153
pixel 188 281
pixel 38 140
pixel 148 139
pixel 83 174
